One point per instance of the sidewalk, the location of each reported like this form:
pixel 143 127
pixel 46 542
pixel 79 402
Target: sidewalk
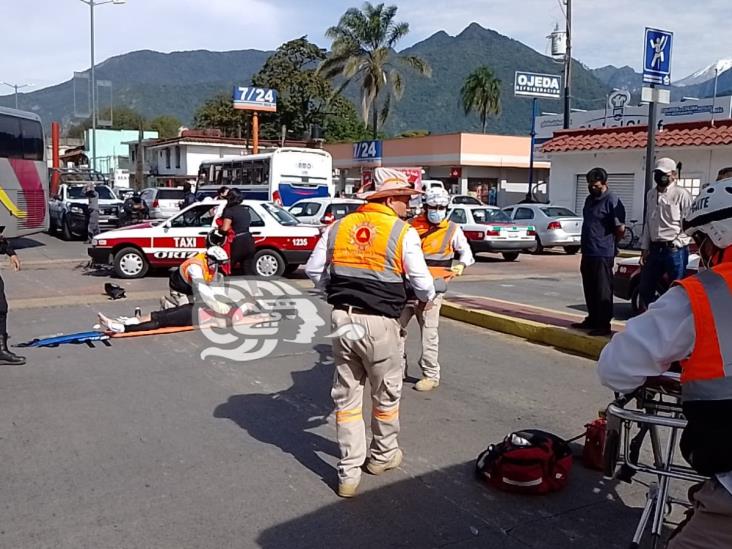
pixel 537 324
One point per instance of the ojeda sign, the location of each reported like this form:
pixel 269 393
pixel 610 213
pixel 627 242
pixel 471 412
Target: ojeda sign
pixel 531 84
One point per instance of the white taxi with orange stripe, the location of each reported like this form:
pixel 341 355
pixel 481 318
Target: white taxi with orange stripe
pixel 282 244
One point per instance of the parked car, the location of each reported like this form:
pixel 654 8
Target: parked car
pixel 431 184
pixel 626 280
pixel 323 211
pixel 163 202
pixel 555 226
pixel 281 243
pixel 465 199
pixel 488 229
pixel 67 209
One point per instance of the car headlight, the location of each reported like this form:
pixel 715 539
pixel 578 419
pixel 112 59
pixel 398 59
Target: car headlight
pixel 76 210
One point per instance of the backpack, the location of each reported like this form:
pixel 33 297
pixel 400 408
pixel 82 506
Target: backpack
pixel 526 462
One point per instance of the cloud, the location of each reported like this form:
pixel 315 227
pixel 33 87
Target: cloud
pixel 51 40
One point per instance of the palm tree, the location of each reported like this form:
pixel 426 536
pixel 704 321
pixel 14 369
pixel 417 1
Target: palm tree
pixel 481 92
pixel 363 49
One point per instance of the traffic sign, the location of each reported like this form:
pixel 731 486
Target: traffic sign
pixel 532 84
pixel 255 99
pixel 657 57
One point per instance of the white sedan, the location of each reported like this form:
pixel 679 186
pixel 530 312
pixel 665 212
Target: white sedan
pixel 281 243
pixel 488 229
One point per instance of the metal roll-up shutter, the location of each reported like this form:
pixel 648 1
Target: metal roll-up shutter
pixel 621 184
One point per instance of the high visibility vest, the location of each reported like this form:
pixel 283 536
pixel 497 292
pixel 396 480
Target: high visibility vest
pixel 200 260
pixel 436 243
pixel 707 373
pixel 706 377
pixel 365 260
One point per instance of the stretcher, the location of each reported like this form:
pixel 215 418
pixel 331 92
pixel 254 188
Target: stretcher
pixel 659 418
pixel 159 331
pixel 87 338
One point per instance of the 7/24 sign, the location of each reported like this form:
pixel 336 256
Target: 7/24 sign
pixel 255 99
pixel 367 151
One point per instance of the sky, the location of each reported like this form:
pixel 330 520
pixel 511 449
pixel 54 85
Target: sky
pixel 44 41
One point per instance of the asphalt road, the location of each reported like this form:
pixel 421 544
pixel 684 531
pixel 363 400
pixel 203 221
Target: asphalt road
pixel 144 444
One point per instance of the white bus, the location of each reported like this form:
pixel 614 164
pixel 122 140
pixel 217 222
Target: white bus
pixel 284 176
pixel 23 174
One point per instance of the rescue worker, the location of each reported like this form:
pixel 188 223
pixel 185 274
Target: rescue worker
pixel 6 356
pixel 199 271
pixel 441 240
pixel 92 213
pixel 692 324
pixel 201 268
pixel 361 262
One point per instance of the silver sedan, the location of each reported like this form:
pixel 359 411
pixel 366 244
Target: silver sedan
pixel 555 226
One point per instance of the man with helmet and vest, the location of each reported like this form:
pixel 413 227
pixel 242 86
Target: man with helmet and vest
pixel 362 262
pixel 692 324
pixel 196 273
pixel 441 240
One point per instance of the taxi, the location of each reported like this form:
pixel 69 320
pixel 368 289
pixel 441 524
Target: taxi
pixel 282 244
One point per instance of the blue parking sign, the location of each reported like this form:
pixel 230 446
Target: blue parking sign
pixel 657 57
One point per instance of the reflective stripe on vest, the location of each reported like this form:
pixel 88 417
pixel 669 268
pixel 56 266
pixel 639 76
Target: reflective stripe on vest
pixel 707 373
pixel 367 244
pixel 200 260
pixel 436 241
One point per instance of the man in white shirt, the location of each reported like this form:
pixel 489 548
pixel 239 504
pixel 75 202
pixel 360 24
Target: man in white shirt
pixel 665 247
pixel 692 324
pixel 361 262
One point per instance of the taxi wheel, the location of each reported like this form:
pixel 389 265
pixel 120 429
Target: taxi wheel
pixel 130 263
pixel 268 264
pixel 510 256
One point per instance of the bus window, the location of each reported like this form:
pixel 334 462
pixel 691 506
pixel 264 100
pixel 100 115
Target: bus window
pixel 32 139
pixel 11 141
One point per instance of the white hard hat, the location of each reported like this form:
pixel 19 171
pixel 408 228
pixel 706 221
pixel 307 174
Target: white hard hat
pixel 711 214
pixel 217 254
pixel 436 196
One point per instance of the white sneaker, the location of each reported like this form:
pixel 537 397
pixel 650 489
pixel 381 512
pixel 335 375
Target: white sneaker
pixel 110 325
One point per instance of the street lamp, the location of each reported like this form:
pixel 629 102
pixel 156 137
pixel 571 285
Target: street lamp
pixel 16 87
pixel 92 4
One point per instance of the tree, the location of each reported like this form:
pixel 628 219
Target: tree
pixel 363 49
pixel 304 96
pixel 167 126
pixel 219 112
pixel 481 92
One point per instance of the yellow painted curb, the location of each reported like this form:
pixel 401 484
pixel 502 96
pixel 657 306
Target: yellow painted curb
pixel 562 338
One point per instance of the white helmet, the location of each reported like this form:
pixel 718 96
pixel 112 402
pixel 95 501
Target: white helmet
pixel 436 196
pixel 711 214
pixel 217 254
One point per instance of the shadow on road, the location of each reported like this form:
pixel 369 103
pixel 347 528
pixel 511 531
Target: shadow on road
pixel 450 508
pixel 283 419
pixel 25 243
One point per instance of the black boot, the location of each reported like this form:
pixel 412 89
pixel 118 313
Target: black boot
pixel 6 357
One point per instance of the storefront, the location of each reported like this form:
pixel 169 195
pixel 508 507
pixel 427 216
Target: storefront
pixel 494 168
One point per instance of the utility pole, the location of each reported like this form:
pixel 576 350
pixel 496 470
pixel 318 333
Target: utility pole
pixel 16 87
pixel 568 66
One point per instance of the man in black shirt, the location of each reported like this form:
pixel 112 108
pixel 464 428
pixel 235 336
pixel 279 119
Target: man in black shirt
pixel 6 357
pixel 604 224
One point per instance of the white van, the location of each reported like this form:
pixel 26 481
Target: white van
pixel 431 184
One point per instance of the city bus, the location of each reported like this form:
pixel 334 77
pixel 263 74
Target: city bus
pixel 283 176
pixel 23 174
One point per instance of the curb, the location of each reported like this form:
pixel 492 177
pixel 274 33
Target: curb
pixel 561 338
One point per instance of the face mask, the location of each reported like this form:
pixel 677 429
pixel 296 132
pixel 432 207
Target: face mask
pixel 436 216
pixel 596 193
pixel 661 179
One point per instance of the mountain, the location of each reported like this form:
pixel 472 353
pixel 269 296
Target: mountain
pixel 621 78
pixel 706 74
pixel 176 83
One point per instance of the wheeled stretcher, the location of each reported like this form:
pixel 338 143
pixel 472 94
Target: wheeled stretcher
pixel 658 417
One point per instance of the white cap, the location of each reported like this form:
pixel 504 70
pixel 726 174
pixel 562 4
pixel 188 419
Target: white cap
pixel 665 165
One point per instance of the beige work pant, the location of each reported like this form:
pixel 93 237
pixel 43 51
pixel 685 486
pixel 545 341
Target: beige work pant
pixel 708 524
pixel 429 322
pixel 375 357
